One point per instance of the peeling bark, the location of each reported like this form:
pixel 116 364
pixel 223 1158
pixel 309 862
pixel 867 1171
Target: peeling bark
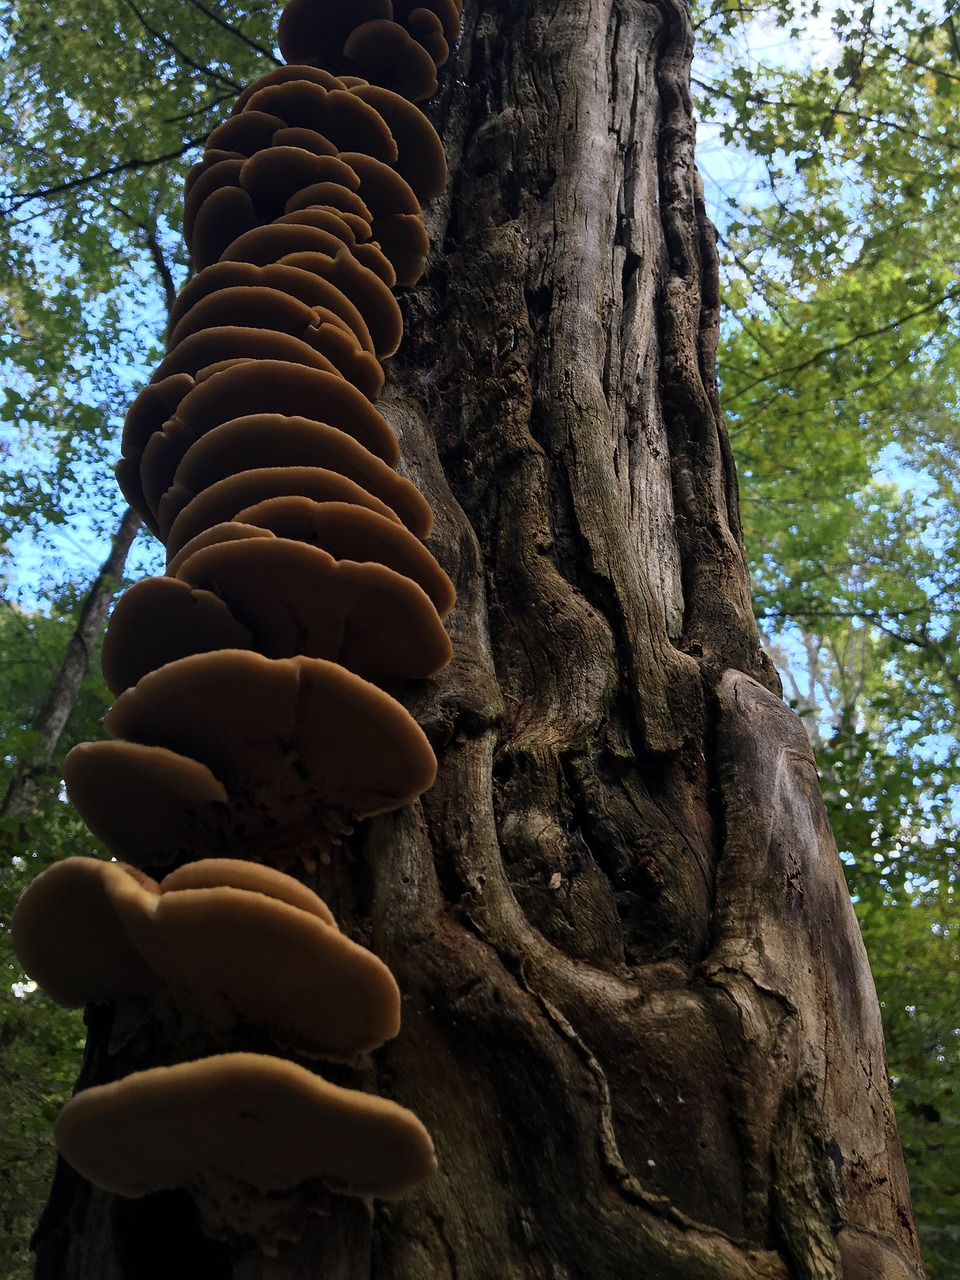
pixel 637 1015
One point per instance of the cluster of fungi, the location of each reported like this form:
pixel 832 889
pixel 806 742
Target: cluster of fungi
pixel 250 727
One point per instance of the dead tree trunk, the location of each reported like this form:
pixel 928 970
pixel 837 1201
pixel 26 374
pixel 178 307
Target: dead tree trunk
pixel 638 1017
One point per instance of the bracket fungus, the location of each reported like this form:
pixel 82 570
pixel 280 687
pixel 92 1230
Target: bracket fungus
pixel 230 945
pixel 237 1131
pixel 249 732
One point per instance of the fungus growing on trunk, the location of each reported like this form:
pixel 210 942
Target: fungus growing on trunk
pixel 237 1131
pixel 246 724
pixel 225 946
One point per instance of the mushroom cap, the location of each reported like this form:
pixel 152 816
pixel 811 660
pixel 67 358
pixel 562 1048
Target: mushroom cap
pixel 68 937
pixel 207 176
pixel 224 216
pixel 294 735
pixel 427 29
pixel 265 441
pixel 382 189
pixel 289 390
pixel 298 599
pixel 350 532
pixel 232 954
pixel 282 75
pixel 448 12
pixel 247 305
pixel 316 30
pixel 247 1120
pixel 161 619
pixel 153 405
pixel 388 54
pixel 273 241
pixel 349 122
pixel 212 873
pixel 223 500
pixel 362 286
pixel 421 158
pixel 372 256
pixel 404 240
pixel 307 139
pixel 246 133
pixel 237 342
pixel 273 175
pixel 147 804
pixel 226 531
pixel 90 930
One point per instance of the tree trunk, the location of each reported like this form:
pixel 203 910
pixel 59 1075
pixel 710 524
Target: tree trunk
pixel 638 1019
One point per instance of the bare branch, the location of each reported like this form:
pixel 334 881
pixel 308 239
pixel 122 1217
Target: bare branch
pixel 89 179
pixel 222 22
pixel 178 53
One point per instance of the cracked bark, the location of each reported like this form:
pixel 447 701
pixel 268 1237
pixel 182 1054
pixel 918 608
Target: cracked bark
pixel 637 1019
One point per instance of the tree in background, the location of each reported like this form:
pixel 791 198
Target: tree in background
pixel 495 150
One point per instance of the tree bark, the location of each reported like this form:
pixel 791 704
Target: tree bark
pixel 638 1019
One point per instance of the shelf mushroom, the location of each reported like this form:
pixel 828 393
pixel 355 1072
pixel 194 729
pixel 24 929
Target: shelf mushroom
pixel 230 942
pixel 243 1133
pixel 246 714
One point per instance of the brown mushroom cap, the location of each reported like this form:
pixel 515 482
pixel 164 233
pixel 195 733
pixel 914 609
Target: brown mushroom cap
pixel 365 290
pixel 265 440
pixel 282 75
pixel 382 188
pixel 92 930
pixel 349 532
pixel 306 139
pixel 225 531
pixel 223 500
pixel 305 286
pixel 389 55
pixel 250 306
pixel 159 620
pixel 448 12
pixel 327 219
pixel 69 940
pixel 212 873
pixel 229 1126
pixel 154 404
pixel 127 472
pixel 298 599
pixel 160 459
pixel 372 256
pixel 349 122
pixel 274 241
pixel 404 240
pixel 246 133
pixel 205 178
pixel 234 342
pixel 421 158
pixel 230 954
pixel 316 30
pixel 273 175
pixel 224 216
pixel 145 804
pixel 297 733
pixel 427 29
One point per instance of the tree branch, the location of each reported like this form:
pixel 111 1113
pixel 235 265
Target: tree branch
pixel 122 166
pixel 222 22
pixel 178 53
pixel 52 719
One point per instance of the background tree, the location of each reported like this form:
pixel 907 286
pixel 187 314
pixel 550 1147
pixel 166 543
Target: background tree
pixel 558 846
